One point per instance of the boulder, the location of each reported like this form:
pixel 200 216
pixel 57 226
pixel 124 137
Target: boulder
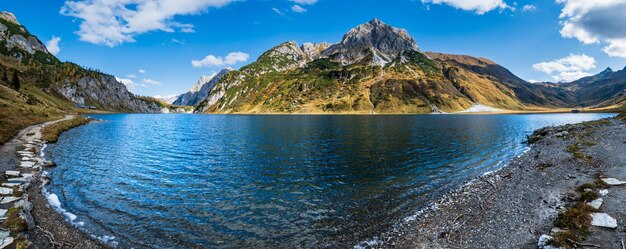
pixel 8 199
pixel 613 181
pixel 6 191
pixel 597 203
pixel 603 220
pixel 5 238
pixel 12 173
pixel 542 243
pixel 604 192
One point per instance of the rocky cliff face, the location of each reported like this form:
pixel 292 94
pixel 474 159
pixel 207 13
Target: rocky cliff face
pixel 78 85
pixel 374 38
pixel 106 93
pixel 17 42
pixel 200 90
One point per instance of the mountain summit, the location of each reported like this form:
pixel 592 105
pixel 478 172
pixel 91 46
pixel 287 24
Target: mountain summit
pixel 375 38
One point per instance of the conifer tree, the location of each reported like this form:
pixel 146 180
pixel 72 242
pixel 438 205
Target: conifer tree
pixel 15 81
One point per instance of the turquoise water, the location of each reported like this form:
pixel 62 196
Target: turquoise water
pixel 188 181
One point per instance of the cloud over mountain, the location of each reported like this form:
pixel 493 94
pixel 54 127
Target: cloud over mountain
pixel 218 61
pixel 570 68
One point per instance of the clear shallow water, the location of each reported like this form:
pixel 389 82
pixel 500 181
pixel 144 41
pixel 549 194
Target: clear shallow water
pixel 172 181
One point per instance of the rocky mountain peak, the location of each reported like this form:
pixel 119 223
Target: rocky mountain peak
pixel 385 41
pixel 201 89
pixel 8 16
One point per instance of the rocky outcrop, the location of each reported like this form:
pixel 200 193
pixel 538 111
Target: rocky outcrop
pixel 106 93
pixel 200 90
pixel 374 38
pixel 7 16
pixel 313 51
pixel 17 42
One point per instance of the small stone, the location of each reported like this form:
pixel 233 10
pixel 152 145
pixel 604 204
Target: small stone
pixel 604 192
pixel 597 203
pixel 48 164
pixel 11 184
pixel 613 181
pixel 8 199
pixel 6 191
pixel 12 173
pixel 3 212
pixel 18 179
pixel 603 220
pixel 542 243
pixel 5 239
pixel 27 175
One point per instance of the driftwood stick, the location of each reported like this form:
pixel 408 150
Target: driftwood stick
pixel 581 244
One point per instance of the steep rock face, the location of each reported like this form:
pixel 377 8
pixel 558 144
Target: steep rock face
pixel 374 38
pixel 314 51
pixel 106 93
pixel 200 90
pixel 17 42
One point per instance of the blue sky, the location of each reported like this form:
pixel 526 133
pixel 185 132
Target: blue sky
pixel 536 40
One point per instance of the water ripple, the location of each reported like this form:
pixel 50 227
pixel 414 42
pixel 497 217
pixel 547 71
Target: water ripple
pixel 172 181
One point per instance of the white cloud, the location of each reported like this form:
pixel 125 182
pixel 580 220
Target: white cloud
pixel 478 6
pixel 305 2
pixel 277 11
pixel 298 9
pixel 53 45
pixel 181 42
pixel 529 8
pixel 141 71
pixel 130 84
pixel 570 68
pixel 132 76
pixel 217 61
pixel 151 82
pixel 596 21
pixel 113 22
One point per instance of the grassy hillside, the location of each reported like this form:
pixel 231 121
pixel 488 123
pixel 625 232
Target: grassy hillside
pixel 28 104
pixel 413 83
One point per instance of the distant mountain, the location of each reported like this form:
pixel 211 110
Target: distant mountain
pixel 603 89
pixel 376 68
pixel 25 55
pixel 200 90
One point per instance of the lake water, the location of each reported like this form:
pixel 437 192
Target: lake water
pixel 189 181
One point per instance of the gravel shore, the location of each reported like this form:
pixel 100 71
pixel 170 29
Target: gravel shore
pixel 45 228
pixel 513 207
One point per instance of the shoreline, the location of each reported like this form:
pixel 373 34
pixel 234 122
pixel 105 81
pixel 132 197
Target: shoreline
pixel 41 225
pixel 521 201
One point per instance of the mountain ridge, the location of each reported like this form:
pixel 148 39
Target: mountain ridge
pixel 375 68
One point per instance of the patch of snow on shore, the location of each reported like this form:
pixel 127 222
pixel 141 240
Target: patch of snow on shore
pixel 481 108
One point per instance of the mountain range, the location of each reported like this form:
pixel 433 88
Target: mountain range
pixel 377 68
